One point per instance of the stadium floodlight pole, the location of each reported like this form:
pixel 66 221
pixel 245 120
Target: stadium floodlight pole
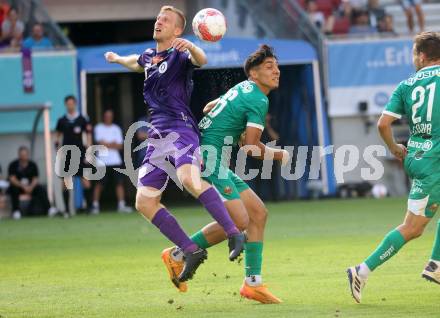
pixel 48 152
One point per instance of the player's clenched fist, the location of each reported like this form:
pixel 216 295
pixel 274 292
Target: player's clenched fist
pixel 399 151
pixel 111 57
pixel 182 44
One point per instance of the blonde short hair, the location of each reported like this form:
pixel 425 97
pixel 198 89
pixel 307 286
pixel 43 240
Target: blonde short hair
pixel 181 16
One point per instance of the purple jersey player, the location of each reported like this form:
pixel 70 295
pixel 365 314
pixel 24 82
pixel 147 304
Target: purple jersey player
pixel 174 140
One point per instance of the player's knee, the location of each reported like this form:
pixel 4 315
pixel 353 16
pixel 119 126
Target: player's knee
pixel 261 215
pixel 146 206
pixel 191 185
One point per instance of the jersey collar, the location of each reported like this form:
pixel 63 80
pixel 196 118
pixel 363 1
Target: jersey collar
pixel 72 117
pixel 428 67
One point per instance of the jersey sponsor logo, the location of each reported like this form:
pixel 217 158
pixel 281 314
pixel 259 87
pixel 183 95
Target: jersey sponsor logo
pixel 77 130
pixel 422 128
pixel 427 145
pixel 163 67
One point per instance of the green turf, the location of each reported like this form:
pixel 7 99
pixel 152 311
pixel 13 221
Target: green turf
pixel 109 266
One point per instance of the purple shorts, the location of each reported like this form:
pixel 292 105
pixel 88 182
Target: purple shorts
pixel 166 153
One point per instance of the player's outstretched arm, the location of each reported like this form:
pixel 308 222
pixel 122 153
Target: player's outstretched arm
pixel 129 61
pixel 198 56
pixel 386 133
pixel 253 137
pixel 210 106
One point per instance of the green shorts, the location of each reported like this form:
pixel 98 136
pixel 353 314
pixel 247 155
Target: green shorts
pixel 424 196
pixel 224 180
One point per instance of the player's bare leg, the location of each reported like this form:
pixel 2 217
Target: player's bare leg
pixel 253 287
pixel 148 204
pixel 411 228
pixel 190 177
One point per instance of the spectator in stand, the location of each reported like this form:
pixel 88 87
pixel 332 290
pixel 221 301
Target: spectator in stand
pixel 386 25
pixel 4 9
pixel 12 29
pixel 37 40
pixel 361 23
pixel 408 7
pixel 376 13
pixel 23 179
pixel 358 4
pixel 109 135
pixel 317 17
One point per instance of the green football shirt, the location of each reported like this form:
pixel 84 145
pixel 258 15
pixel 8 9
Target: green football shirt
pixel 243 105
pixel 418 98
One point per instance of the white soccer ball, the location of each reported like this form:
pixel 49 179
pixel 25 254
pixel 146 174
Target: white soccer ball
pixel 379 191
pixel 209 25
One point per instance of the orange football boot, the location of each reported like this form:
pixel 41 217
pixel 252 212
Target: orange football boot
pixel 259 293
pixel 174 269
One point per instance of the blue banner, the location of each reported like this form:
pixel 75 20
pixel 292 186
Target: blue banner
pixel 229 52
pixel 369 62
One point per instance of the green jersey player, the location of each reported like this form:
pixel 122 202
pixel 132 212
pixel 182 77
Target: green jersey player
pixel 240 112
pixel 417 98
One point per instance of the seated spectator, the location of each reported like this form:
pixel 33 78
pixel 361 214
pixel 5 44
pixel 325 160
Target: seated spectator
pixel 386 25
pixel 12 29
pixel 318 18
pixel 376 13
pixel 361 23
pixel 109 135
pixel 408 6
pixel 37 40
pixel 23 179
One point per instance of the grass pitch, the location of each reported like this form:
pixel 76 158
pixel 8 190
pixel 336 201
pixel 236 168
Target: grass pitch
pixel 110 266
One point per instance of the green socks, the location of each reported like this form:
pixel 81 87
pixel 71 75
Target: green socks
pixel 200 240
pixel 436 249
pixel 253 253
pixel 390 245
pixel 253 258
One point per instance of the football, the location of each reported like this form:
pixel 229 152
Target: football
pixel 209 25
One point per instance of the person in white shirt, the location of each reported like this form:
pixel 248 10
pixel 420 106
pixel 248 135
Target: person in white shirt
pixel 109 135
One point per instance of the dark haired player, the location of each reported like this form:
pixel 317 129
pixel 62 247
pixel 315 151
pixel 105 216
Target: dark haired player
pixel 242 109
pixel 167 90
pixel 71 129
pixel 417 98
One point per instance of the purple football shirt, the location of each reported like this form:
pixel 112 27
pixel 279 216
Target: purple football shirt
pixel 167 88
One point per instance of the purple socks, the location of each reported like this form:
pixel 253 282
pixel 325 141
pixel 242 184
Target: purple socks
pixel 169 227
pixel 212 202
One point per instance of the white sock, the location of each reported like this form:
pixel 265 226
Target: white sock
pixel 436 262
pixel 364 271
pixel 254 280
pixel 177 254
pixel 121 204
pixel 95 204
